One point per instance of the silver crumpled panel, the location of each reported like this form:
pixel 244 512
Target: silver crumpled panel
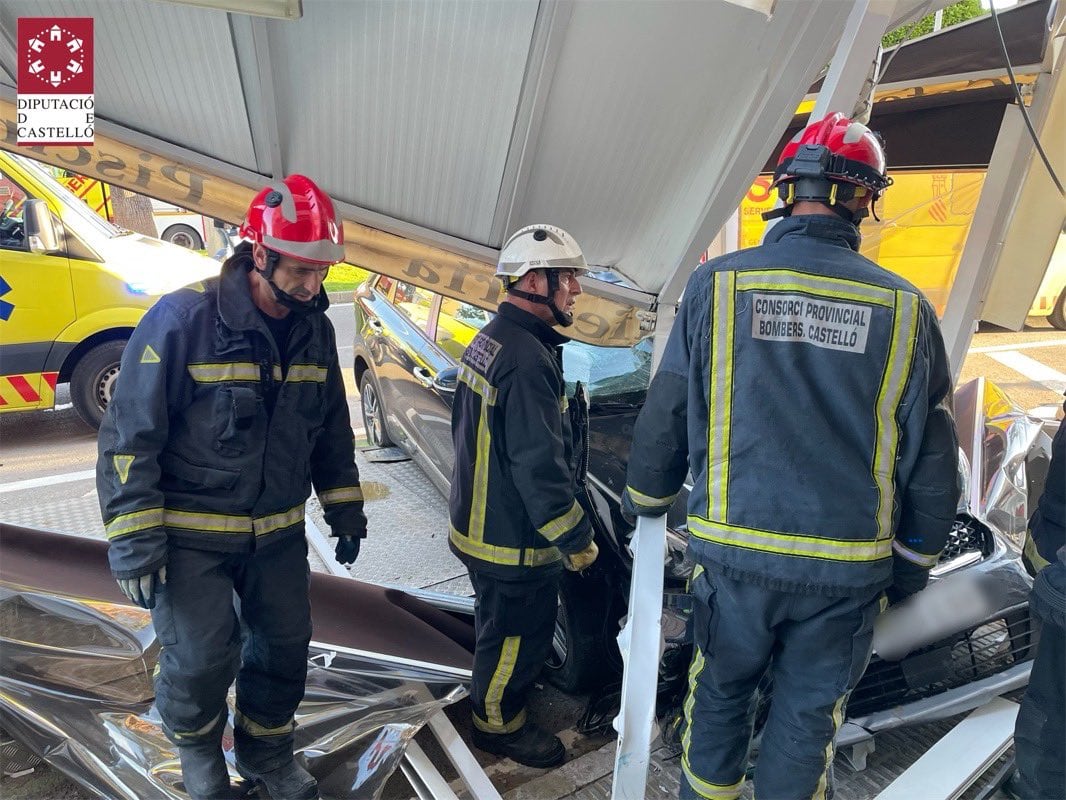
pixel 76 683
pixel 76 675
pixel 1000 443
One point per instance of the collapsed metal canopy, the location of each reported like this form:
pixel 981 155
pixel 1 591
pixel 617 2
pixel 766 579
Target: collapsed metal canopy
pixel 637 126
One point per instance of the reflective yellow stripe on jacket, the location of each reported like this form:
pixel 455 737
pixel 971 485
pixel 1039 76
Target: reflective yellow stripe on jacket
pixel 229 371
pixel 647 501
pixel 306 373
pixel 562 524
pixel 719 410
pixel 203 521
pixel 900 355
pixel 487 392
pixel 344 494
pixel 507 556
pixel 789 544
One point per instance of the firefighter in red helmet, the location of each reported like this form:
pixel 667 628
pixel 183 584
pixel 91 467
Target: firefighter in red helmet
pixel 832 162
pixel 229 409
pixel 807 392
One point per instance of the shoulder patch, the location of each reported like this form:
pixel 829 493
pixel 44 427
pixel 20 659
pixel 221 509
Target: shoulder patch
pixel 150 356
pixel 122 466
pixel 482 352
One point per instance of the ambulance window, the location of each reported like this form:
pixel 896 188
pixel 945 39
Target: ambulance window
pixel 12 205
pixel 415 303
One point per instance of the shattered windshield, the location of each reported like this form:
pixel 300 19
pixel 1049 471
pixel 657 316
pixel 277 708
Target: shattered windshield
pixel 610 374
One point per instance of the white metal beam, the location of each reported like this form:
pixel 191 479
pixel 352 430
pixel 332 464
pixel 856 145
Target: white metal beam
pixel 641 644
pixel 423 776
pixel 814 26
pixel 1019 216
pixel 549 32
pixel 268 104
pixel 955 762
pixel 991 220
pixel 471 773
pixel 859 36
pixel 857 50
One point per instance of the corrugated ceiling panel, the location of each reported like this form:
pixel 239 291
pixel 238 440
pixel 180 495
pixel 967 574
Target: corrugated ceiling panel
pixel 419 98
pixel 631 178
pixel 163 69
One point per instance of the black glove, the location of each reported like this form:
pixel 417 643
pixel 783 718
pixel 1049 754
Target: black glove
pixel 142 591
pixel 347 548
pixel 895 596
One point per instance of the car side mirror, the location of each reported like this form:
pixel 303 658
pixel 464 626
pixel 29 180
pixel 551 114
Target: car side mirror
pixel 446 380
pixel 41 232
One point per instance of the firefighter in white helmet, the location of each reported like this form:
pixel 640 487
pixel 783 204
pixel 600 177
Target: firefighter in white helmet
pixel 515 521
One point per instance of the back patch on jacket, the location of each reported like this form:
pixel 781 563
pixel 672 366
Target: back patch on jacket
pixel 831 324
pixel 482 352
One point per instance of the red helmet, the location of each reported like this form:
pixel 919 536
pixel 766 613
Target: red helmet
pixel 295 218
pixel 833 150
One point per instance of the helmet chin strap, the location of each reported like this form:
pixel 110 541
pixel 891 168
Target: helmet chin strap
pixel 564 319
pixel 294 304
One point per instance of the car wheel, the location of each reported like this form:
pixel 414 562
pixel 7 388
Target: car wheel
pixel 377 432
pixel 578 659
pixel 184 236
pixel 1057 317
pixel 92 383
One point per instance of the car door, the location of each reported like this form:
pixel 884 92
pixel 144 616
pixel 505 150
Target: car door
pixel 455 326
pixel 406 362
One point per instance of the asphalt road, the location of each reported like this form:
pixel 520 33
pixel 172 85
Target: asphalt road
pixel 46 459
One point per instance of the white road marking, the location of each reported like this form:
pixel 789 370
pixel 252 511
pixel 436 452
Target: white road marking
pixel 51 480
pixel 1032 369
pixel 1003 348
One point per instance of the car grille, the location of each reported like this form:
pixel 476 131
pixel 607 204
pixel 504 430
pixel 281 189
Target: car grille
pixel 962 658
pixel 967 536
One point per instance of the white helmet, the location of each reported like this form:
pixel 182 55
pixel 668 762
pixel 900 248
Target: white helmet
pixel 539 247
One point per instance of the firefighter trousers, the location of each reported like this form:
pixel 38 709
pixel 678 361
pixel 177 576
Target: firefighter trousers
pixel 222 616
pixel 1040 731
pixel 514 622
pixel 813 648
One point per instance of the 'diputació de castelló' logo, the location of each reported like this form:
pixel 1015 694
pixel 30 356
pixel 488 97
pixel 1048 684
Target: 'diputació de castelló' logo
pixel 55 80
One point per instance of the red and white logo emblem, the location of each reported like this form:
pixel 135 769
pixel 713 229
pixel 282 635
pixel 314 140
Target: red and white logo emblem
pixel 55 80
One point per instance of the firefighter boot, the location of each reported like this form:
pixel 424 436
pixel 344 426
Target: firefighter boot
pixel 529 746
pixel 290 781
pixel 203 771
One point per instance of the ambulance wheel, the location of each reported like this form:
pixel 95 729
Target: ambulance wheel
pixel 183 236
pixel 578 658
pixel 1057 317
pixel 93 381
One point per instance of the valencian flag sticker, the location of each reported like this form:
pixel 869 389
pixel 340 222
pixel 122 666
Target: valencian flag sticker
pixel 55 80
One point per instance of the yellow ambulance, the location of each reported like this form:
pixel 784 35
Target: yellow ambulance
pixel 72 288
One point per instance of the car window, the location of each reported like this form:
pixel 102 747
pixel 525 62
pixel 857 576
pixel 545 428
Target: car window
pixel 414 302
pixel 457 324
pixel 12 206
pixel 384 284
pixel 610 374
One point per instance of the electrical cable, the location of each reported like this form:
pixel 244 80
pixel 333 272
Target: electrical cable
pixel 1021 103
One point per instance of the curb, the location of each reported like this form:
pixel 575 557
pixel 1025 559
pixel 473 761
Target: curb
pixel 341 297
